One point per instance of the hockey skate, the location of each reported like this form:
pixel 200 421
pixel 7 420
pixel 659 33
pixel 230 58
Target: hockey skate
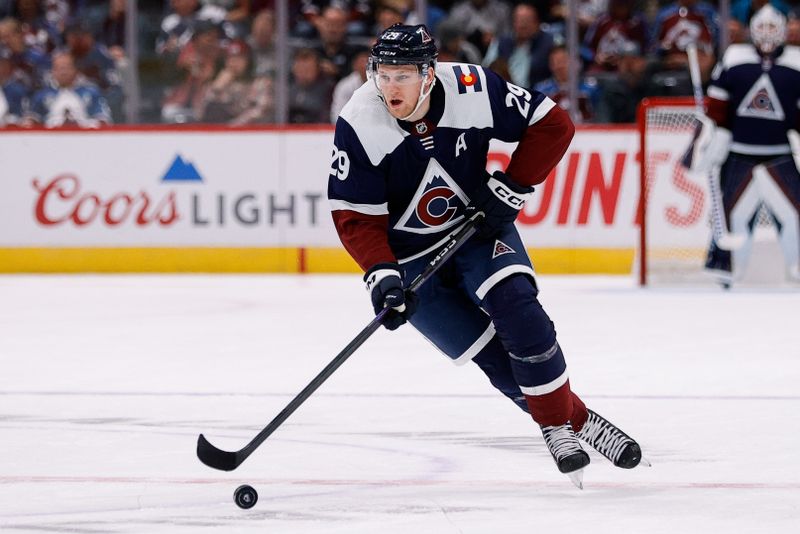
pixel 718 266
pixel 611 442
pixel 567 451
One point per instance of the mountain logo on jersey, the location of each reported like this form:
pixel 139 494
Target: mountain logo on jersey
pixel 435 204
pixel 501 248
pixel 469 79
pixel 761 101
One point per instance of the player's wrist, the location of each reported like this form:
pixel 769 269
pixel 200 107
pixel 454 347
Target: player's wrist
pixel 379 271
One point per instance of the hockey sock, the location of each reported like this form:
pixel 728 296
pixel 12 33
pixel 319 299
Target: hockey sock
pixel 551 409
pixel 529 337
pixel 579 413
pixel 494 362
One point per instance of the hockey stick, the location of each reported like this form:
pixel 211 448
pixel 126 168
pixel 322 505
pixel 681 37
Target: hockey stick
pixel 724 239
pixel 228 461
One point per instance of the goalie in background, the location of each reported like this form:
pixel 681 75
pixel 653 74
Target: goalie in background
pixel 752 116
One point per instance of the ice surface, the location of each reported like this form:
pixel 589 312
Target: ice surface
pixel 106 381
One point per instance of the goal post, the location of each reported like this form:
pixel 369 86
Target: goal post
pixel 674 207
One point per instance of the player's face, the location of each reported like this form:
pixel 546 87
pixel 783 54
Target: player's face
pixel 400 85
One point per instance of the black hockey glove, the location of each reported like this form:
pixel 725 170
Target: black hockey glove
pixel 500 200
pixel 385 284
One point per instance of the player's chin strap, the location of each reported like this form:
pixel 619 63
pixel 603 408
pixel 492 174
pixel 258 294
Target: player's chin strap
pixel 423 94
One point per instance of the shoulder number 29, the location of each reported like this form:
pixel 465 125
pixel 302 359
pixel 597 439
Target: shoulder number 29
pixel 519 97
pixel 340 164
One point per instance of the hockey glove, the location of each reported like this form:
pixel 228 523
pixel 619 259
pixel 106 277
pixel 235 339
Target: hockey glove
pixel 385 284
pixel 709 148
pixel 500 200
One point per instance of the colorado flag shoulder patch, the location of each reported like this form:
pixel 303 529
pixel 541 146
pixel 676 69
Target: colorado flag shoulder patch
pixel 469 79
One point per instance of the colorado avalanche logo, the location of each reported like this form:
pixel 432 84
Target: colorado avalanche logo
pixel 435 205
pixel 762 101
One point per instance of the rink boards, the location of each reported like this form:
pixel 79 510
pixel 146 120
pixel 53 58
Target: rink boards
pixel 145 199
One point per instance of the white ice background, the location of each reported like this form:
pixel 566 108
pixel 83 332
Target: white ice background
pixel 106 381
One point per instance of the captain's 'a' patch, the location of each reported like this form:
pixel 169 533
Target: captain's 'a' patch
pixel 501 248
pixel 761 101
pixel 469 80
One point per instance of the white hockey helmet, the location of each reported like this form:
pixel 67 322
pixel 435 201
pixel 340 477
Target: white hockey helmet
pixel 768 29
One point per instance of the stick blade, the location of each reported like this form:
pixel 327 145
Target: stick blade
pixel 214 457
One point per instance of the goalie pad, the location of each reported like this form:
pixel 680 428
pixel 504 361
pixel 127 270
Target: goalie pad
pixel 709 147
pixel 794 143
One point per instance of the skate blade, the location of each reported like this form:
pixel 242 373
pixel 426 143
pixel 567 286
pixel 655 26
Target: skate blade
pixel 576 477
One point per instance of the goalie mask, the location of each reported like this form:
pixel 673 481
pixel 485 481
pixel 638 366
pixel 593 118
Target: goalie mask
pixel 768 29
pixel 404 45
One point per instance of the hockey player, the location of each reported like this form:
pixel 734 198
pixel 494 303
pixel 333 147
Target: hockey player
pixel 753 103
pixel 408 166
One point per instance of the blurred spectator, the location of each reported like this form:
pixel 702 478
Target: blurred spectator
pixel 481 20
pixel 681 23
pixel 434 14
pixel 620 95
pixel 454 47
pixel 12 92
pixel 57 12
pixel 793 28
pixel 357 14
pixel 743 10
pixel 309 90
pixel 112 34
pixel 227 95
pixel 31 64
pixel 262 44
pixel 557 87
pixel 521 57
pixel 236 18
pixel 198 60
pixel 588 13
pixel 387 14
pixel 236 11
pixel 334 49
pixel 38 29
pixel 737 33
pixel 178 27
pixel 94 61
pixel 348 85
pixel 610 32
pixel 71 100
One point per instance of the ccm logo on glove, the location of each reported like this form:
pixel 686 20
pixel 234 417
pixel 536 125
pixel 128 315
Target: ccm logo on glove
pixel 504 193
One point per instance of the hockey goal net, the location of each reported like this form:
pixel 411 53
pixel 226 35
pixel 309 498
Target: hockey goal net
pixel 675 228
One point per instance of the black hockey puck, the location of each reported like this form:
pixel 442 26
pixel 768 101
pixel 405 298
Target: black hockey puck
pixel 245 496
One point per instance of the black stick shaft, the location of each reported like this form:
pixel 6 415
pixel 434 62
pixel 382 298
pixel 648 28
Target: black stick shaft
pixel 227 461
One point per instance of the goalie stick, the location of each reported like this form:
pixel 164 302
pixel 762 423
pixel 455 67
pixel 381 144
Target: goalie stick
pixel 228 461
pixel 724 239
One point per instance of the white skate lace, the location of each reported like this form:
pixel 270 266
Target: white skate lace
pixel 561 441
pixel 607 439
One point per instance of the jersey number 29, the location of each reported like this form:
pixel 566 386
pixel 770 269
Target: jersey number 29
pixel 340 164
pixel 519 97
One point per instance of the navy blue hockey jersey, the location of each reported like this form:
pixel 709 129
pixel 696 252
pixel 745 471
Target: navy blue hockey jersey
pixel 760 97
pixel 418 176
